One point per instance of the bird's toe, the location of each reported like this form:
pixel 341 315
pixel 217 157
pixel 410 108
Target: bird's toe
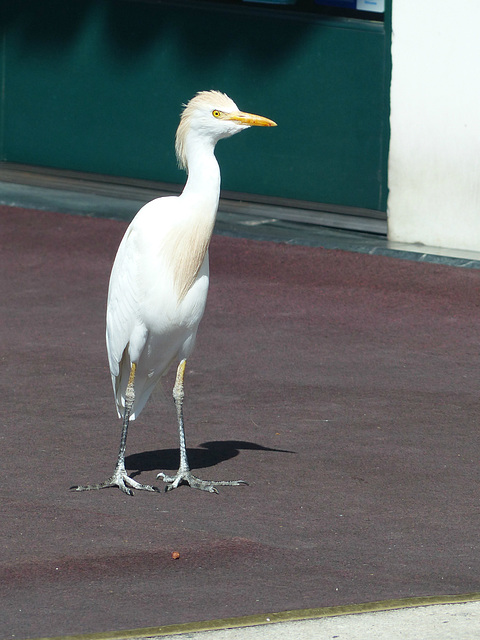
pixel 186 477
pixel 119 479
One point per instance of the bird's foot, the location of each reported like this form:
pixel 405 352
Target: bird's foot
pixel 187 477
pixel 121 480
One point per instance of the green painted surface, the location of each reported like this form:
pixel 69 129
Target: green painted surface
pixel 96 86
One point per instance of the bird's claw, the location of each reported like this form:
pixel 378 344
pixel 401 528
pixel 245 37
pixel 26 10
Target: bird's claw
pixel 186 477
pixel 121 480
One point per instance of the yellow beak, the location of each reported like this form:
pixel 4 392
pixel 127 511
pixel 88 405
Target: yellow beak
pixel 250 119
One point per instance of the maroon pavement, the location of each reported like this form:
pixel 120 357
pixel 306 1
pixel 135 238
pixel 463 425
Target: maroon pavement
pixel 343 387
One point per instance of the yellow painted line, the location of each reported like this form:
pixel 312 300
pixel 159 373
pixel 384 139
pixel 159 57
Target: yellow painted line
pixel 261 619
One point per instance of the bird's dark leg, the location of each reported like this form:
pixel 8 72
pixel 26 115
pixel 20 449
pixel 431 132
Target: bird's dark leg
pixel 120 478
pixel 184 475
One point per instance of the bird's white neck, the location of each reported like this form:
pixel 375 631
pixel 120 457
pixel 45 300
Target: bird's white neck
pixel 195 227
pixel 203 182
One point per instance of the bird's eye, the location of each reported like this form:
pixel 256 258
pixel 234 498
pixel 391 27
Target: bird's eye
pixel 216 114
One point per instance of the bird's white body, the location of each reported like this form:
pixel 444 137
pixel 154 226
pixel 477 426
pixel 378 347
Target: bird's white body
pixel 150 320
pixel 159 281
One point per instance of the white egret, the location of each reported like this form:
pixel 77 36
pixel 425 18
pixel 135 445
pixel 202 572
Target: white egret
pixel 159 281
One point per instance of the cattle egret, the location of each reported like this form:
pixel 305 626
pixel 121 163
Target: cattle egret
pixel 159 281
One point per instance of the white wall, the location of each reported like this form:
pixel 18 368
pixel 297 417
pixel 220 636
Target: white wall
pixel 434 161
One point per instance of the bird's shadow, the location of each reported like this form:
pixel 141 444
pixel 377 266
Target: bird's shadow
pixel 208 454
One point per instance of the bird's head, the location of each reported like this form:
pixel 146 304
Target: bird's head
pixel 211 116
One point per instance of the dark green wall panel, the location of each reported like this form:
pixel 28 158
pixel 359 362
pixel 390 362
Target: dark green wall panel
pixel 97 86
